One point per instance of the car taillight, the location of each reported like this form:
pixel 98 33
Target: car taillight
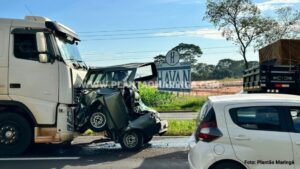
pixel 208 131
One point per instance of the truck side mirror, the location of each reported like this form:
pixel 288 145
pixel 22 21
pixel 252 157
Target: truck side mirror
pixel 41 42
pixel 43 58
pixel 42 47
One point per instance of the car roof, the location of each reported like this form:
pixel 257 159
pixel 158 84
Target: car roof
pixel 245 98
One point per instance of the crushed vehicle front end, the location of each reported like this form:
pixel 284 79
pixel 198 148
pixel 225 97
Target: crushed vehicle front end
pixel 110 102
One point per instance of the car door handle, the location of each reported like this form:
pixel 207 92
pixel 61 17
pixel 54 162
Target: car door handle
pixel 241 137
pixel 298 143
pixel 15 85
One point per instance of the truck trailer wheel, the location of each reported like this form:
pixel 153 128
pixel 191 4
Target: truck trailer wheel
pixel 15 134
pixel 98 121
pixel 132 140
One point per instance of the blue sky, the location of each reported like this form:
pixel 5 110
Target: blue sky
pixel 123 31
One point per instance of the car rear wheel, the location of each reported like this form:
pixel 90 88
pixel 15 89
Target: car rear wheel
pixel 15 134
pixel 132 140
pixel 98 121
pixel 228 165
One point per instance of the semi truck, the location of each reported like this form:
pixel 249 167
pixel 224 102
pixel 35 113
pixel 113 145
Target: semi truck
pixel 278 70
pixel 41 71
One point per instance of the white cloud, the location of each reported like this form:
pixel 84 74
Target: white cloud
pixel 208 33
pixel 275 4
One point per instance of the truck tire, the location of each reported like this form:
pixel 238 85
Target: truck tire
pixel 132 140
pixel 15 134
pixel 98 120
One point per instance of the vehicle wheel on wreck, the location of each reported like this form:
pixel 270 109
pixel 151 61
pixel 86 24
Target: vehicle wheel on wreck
pixel 132 140
pixel 98 120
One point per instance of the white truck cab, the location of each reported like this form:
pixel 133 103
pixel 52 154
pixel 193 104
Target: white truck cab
pixel 40 71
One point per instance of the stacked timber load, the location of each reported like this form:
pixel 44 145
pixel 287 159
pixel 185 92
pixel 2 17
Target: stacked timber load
pixel 281 52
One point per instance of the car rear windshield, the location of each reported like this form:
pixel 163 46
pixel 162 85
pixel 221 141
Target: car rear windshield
pixel 207 113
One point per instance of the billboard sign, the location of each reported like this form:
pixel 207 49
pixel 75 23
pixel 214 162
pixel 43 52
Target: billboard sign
pixel 174 75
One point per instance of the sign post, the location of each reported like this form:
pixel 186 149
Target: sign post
pixel 174 75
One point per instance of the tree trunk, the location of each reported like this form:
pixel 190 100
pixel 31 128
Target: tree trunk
pixel 245 59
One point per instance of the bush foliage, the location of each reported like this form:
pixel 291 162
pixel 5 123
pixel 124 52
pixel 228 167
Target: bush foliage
pixel 165 101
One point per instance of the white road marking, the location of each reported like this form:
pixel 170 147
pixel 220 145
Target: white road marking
pixel 38 158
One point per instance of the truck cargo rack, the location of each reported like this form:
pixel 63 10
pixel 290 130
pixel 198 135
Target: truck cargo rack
pixel 272 79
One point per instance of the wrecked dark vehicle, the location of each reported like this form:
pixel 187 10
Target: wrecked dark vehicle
pixel 110 102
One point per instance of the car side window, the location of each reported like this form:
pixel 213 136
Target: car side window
pixel 25 46
pixel 257 118
pixel 295 114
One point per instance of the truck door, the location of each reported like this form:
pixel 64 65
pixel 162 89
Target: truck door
pixel 4 38
pixel 258 136
pixel 31 82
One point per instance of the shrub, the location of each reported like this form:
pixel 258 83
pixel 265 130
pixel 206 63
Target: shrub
pixel 164 101
pixel 152 97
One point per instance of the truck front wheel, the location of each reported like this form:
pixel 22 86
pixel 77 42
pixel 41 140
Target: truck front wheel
pixel 15 134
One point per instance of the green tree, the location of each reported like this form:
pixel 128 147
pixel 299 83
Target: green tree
pixel 285 27
pixel 226 68
pixel 160 59
pixel 239 20
pixel 188 52
pixel 202 71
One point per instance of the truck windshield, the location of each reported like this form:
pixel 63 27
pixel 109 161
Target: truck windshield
pixel 68 50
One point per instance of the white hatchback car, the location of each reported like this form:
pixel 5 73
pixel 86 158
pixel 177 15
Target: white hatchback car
pixel 247 131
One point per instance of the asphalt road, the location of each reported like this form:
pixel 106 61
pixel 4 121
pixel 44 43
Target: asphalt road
pixel 162 152
pixel 179 115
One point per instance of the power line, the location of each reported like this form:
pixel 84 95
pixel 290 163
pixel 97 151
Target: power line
pixel 151 35
pixel 143 29
pixel 127 58
pixel 152 51
pixel 140 37
pixel 126 34
pixel 28 9
pixel 191 32
pixel 157 51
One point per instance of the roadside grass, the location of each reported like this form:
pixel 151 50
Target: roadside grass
pixel 181 127
pixel 166 102
pixel 183 103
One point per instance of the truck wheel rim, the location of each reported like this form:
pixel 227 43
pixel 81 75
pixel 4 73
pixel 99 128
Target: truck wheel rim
pixel 8 133
pixel 98 120
pixel 130 140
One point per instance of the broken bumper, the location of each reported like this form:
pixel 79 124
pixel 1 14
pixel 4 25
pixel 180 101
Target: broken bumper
pixel 163 127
